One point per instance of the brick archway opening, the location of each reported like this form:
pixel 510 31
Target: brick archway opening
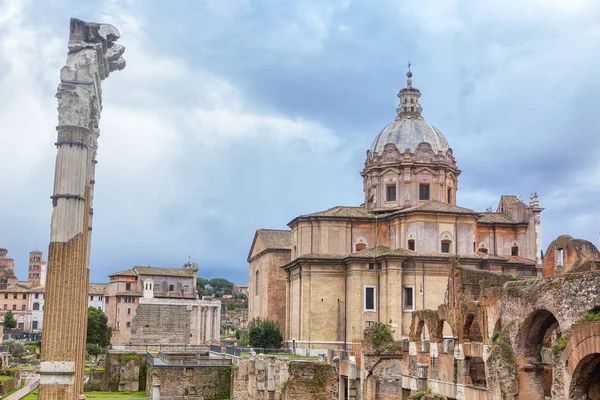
pixel 585 383
pixel 538 333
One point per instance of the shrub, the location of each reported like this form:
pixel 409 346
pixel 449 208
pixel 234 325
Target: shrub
pixel 264 333
pixel 495 336
pixel 381 334
pixel 560 345
pixel 591 316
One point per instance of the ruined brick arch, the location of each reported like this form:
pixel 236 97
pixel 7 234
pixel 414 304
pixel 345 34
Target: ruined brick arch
pixel 582 360
pixel 534 329
pixel 472 331
pixel 585 381
pixel 430 320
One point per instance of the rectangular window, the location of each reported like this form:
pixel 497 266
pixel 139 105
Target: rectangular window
pixel 424 191
pixel 128 286
pixel 6 295
pixel 559 257
pixel 514 251
pixel 129 311
pixel 14 307
pixel 390 193
pixel 369 298
pixel 118 299
pixel 409 298
pixel 449 195
pixel 37 295
pixel 6 307
pixel 171 288
pixel 23 307
pixel 34 325
pixel 369 323
pixel 371 266
pixel 91 298
pixel 186 288
pixel 411 245
pixel 129 324
pixel 445 247
pixel 24 296
pixel 14 295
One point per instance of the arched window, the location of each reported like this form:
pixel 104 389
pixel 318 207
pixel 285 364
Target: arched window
pixel 257 282
pixel 36 306
pixel 360 246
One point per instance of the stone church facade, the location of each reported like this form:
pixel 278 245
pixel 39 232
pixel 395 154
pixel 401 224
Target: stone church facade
pixel 338 271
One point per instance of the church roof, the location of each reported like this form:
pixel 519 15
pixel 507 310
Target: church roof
pixel 343 211
pixel 409 129
pixel 407 134
pixel 495 218
pixel 438 206
pixel 275 239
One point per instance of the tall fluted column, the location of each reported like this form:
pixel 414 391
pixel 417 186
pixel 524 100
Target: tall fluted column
pixel 93 54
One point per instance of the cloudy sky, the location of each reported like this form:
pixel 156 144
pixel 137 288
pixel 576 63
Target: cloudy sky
pixel 233 115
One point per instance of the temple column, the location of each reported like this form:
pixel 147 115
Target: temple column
pixel 92 56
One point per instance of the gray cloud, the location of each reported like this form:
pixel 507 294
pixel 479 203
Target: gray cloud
pixel 233 116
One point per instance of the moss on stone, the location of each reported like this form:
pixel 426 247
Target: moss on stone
pixel 502 349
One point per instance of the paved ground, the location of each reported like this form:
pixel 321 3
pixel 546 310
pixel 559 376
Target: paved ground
pixel 31 382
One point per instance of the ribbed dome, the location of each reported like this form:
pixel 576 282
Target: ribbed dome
pixel 408 133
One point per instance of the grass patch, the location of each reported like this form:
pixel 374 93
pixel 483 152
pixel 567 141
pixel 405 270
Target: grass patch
pixel 31 396
pixel 5 378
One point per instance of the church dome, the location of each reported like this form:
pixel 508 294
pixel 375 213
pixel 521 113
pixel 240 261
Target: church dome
pixel 409 129
pixel 408 133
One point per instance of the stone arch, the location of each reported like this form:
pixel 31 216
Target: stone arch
pixel 533 331
pixel 585 381
pixel 472 329
pixel 536 335
pixel 447 330
pixel 416 327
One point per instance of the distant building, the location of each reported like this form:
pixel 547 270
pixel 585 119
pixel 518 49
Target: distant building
pixel 97 294
pixel 37 269
pixel 240 288
pixel 160 305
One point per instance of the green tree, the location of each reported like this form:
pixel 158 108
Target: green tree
pixel 201 284
pixel 92 349
pixel 221 285
pixel 98 331
pixel 231 306
pixel 9 321
pixel 264 333
pixel 16 349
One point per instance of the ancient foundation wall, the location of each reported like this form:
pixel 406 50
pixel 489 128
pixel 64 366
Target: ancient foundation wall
pixel 160 323
pixel 211 383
